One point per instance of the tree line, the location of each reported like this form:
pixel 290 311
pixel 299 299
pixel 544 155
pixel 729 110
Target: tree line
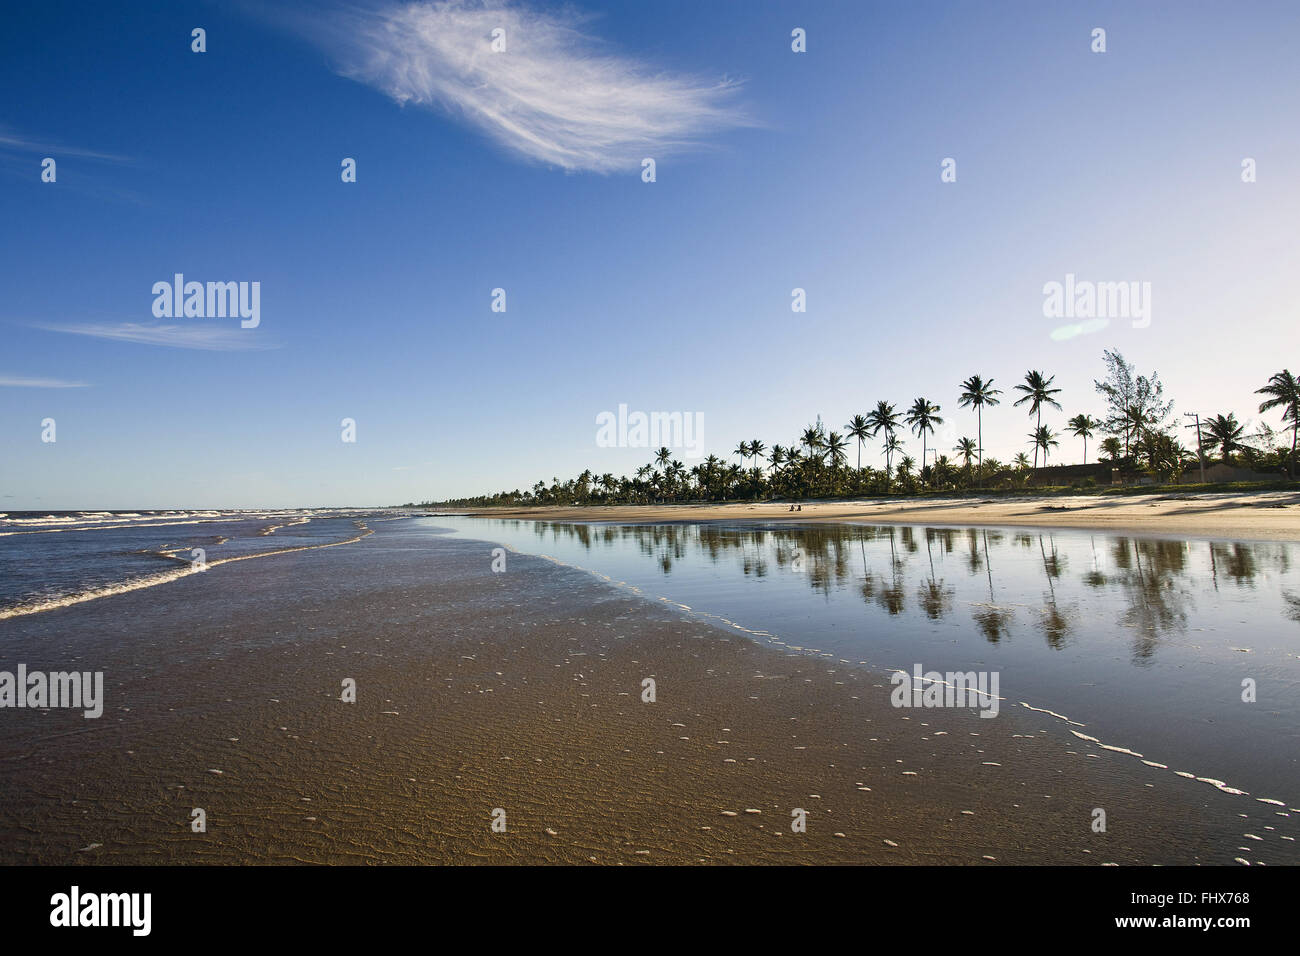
pixel 1139 437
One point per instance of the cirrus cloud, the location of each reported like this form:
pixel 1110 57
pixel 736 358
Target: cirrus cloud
pixel 553 96
pixel 20 381
pixel 210 338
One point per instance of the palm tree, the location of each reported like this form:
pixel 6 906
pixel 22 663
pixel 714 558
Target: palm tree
pixel 860 429
pixel 729 478
pixel 1021 460
pixel 814 439
pixel 1043 438
pixel 663 456
pixel 966 449
pixel 1225 434
pixel 1081 426
pixel 922 417
pixel 1111 448
pixel 884 417
pixel 835 446
pixel 777 457
pixel 892 445
pixel 1284 392
pixel 976 393
pixel 741 451
pixel 1038 392
pixel 756 448
pixel 1137 421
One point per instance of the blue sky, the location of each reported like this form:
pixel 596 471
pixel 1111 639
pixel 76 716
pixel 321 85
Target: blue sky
pixel 775 170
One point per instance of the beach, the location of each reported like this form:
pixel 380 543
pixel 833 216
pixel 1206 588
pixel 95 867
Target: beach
pixel 522 692
pixel 1255 516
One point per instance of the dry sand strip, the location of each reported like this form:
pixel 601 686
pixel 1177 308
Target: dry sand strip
pixel 1269 515
pixel 522 691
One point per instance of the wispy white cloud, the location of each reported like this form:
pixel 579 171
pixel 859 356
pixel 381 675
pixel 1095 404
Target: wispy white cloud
pixel 14 143
pixel 213 338
pixel 554 95
pixel 17 381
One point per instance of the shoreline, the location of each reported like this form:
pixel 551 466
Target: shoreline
pixel 536 708
pixel 1230 516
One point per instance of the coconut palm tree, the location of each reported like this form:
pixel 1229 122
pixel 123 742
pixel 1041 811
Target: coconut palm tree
pixel 662 457
pixel 1042 437
pixel 835 446
pixel 1224 432
pixel 922 417
pixel 1284 392
pixel 777 457
pixel 756 448
pixel 884 417
pixel 1021 460
pixel 741 451
pixel 859 428
pixel 1038 391
pixel 892 446
pixel 966 449
pixel 729 477
pixel 1137 422
pixel 1081 426
pixel 977 393
pixel 814 439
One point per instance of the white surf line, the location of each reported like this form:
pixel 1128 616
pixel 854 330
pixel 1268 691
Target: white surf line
pixel 1217 784
pixel 117 527
pixel 927 680
pixel 265 532
pixel 305 547
pixel 1052 713
pixel 155 580
pixel 162 521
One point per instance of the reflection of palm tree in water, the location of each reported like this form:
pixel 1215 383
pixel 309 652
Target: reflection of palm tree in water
pixel 1150 588
pixel 1096 577
pixel 1055 625
pixel 1239 562
pixel 994 622
pixel 889 595
pixel 934 597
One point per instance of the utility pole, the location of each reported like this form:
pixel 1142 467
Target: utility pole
pixel 1200 454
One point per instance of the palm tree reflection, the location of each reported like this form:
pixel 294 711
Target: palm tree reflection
pixel 1152 580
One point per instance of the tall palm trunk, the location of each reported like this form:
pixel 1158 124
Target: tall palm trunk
pixel 1037 425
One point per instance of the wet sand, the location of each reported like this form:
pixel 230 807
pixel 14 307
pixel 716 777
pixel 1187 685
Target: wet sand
pixel 521 691
pixel 1263 516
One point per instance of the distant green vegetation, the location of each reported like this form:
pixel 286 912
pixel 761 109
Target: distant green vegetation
pixel 1141 444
